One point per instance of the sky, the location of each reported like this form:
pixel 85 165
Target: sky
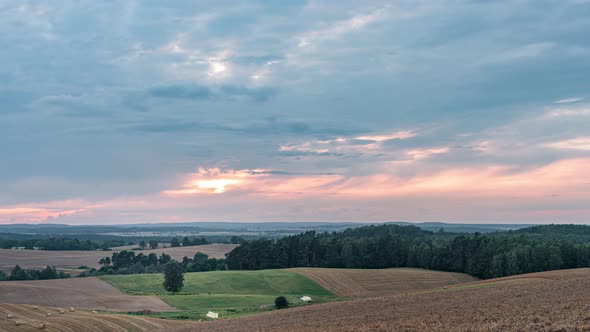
pixel 461 111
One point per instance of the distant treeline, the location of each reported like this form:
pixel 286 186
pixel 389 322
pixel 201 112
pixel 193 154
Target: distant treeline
pixel 127 262
pixel 59 244
pixel 534 249
pixel 103 242
pixel 19 273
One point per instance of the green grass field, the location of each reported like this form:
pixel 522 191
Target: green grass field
pixel 231 293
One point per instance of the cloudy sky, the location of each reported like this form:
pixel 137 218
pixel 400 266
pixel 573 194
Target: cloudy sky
pixel 170 111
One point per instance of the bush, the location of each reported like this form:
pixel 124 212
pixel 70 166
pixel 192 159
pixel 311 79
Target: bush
pixel 281 302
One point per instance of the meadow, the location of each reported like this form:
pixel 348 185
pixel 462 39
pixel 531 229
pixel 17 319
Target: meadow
pixel 231 293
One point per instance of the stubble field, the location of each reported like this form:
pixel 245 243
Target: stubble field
pixel 552 301
pixel 82 293
pixel 379 282
pixel 26 318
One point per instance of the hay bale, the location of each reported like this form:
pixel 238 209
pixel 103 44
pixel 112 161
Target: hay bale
pixel 36 307
pixel 94 311
pixel 48 314
pixel 18 323
pixel 61 311
pixel 41 326
pixel 72 309
pixel 9 316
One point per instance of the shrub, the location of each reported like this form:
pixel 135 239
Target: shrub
pixel 281 302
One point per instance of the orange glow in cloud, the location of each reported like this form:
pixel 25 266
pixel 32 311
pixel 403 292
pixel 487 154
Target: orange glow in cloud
pixel 347 145
pixel 567 176
pixel 404 134
pixel 425 153
pixel 449 188
pixel 214 181
pixel 580 143
pixel 561 176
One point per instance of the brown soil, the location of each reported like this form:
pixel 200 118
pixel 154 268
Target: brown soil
pixel 36 259
pixel 30 318
pixel 373 282
pixel 553 301
pixel 83 293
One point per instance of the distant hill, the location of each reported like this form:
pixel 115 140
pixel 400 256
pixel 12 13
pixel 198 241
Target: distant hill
pixel 462 228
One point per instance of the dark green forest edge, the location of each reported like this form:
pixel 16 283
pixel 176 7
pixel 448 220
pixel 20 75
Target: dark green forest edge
pixel 533 249
pixel 490 255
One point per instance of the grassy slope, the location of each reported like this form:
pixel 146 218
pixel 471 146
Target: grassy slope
pixel 233 293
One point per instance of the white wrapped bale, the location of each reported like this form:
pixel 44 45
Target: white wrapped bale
pixel 212 314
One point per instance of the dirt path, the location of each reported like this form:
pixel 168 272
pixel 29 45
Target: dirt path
pixel 83 293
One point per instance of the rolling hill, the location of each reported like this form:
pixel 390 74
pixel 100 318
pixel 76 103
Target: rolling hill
pixel 378 282
pixel 547 301
pixel 25 318
pixel 232 293
pixel 83 293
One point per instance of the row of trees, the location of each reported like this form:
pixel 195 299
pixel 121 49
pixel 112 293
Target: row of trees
pixel 202 263
pixel 174 242
pixel 59 244
pixel 19 273
pixel 128 262
pixel 484 256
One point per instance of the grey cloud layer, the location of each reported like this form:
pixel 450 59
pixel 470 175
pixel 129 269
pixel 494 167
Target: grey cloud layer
pixel 96 92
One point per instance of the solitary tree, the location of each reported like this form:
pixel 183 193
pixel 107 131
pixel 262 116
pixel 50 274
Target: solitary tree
pixel 281 302
pixel 175 242
pixel 153 244
pixel 173 277
pixel 142 244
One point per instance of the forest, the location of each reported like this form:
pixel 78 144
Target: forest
pixel 534 249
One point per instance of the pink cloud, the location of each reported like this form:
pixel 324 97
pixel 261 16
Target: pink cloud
pixel 25 214
pixel 479 181
pixel 555 192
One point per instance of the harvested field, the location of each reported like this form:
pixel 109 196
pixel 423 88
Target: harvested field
pixel 379 282
pixel 83 293
pixel 30 319
pixel 37 259
pixel 552 301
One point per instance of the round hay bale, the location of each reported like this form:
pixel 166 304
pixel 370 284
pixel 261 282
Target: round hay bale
pixel 72 309
pixel 18 323
pixel 36 307
pixel 41 326
pixel 48 314
pixel 94 311
pixel 9 316
pixel 61 311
